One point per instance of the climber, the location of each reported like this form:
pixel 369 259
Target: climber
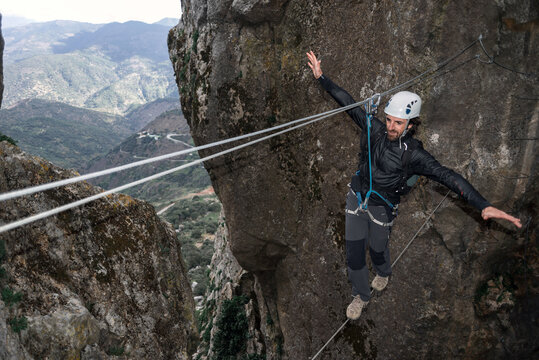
pixel 375 190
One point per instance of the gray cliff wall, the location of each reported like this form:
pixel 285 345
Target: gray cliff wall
pixel 101 280
pixel 465 289
pixel 229 281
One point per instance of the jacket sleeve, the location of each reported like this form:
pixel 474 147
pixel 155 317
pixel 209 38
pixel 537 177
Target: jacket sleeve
pixel 343 98
pixel 423 163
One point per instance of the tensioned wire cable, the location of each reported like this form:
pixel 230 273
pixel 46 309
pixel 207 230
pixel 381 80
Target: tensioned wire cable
pixel 55 184
pixel 392 265
pixel 491 60
pixel 313 118
pixel 72 205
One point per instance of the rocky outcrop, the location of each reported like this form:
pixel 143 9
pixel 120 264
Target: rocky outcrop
pixel 229 282
pixel 102 280
pixel 241 66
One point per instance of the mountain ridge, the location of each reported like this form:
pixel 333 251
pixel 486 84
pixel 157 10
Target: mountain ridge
pixel 110 67
pixel 66 135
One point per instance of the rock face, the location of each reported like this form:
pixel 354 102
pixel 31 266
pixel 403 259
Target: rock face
pixel 229 282
pixel 466 288
pixel 101 280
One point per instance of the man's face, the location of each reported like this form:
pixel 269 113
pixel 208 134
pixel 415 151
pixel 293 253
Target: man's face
pixel 395 127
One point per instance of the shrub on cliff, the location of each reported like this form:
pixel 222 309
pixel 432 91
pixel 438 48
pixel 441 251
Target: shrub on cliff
pixel 7 138
pixel 231 336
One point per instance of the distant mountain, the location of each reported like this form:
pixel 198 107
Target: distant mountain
pixel 9 21
pixel 39 38
pixel 121 41
pixel 66 135
pixel 169 22
pixel 139 117
pixel 155 139
pixel 112 68
pixel 90 80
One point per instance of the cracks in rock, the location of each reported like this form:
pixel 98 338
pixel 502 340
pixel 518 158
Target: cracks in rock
pixel 442 241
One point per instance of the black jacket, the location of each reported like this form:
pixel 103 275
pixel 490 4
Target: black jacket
pixel 387 171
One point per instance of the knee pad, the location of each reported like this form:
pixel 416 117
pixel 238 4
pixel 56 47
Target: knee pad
pixel 377 257
pixel 355 254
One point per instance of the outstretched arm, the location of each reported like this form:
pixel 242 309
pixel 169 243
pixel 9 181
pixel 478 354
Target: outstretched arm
pixel 491 212
pixel 424 163
pixel 340 95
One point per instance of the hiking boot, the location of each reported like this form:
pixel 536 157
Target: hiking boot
pixel 379 283
pixel 353 312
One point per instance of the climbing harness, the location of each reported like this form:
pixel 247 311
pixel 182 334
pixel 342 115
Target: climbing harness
pixel 360 210
pixel 392 265
pixel 370 107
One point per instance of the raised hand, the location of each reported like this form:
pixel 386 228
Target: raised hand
pixel 314 64
pixel 492 212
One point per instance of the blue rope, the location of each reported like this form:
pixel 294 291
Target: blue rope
pixel 371 190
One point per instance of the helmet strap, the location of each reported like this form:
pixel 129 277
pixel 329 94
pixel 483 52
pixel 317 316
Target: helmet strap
pixel 404 132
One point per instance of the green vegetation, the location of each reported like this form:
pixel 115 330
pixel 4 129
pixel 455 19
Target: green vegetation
pixel 203 315
pixel 193 254
pixel 502 283
pixel 9 297
pixel 195 213
pixel 3 256
pixel 195 41
pixel 201 276
pixel 254 357
pixel 204 320
pixel 481 291
pixel 116 351
pixel 3 252
pixel 269 320
pixel 18 324
pixel 198 219
pixel 280 346
pixel 8 139
pixel 183 182
pixel 206 335
pixel 49 129
pixel 231 336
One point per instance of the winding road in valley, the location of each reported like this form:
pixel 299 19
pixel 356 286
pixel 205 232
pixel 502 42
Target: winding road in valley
pixel 169 136
pixel 208 191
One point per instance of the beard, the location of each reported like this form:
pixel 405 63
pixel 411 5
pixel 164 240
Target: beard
pixel 392 135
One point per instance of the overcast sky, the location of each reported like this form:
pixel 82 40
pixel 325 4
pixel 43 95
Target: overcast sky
pixel 92 11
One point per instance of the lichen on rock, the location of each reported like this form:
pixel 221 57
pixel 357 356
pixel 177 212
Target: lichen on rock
pixel 95 280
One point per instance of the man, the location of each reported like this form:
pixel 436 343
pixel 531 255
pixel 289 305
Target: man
pixel 372 199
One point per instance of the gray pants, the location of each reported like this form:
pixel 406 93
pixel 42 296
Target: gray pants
pixel 360 232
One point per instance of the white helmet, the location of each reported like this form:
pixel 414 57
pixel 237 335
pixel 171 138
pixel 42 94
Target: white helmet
pixel 404 105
